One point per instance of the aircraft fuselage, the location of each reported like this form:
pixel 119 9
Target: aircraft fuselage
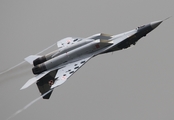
pixel 71 49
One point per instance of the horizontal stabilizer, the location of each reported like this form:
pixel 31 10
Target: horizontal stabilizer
pixel 31 58
pixel 33 80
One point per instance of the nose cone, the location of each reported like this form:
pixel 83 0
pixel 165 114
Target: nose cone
pixel 155 24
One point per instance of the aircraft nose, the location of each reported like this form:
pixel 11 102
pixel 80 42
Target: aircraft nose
pixel 155 24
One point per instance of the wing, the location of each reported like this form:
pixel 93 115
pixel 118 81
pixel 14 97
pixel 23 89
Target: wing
pixel 58 76
pixel 67 41
pixel 64 73
pixel 55 77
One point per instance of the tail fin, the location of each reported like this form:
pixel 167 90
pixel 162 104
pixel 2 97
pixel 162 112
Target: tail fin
pixel 44 84
pixel 31 58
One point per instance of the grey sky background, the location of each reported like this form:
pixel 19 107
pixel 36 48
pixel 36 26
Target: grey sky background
pixel 132 84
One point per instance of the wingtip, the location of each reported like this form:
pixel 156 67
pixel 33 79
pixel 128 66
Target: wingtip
pixel 24 87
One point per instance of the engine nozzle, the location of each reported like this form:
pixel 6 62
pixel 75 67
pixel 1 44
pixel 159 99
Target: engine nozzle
pixel 39 69
pixel 39 60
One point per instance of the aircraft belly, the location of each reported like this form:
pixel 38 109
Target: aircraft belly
pixel 73 54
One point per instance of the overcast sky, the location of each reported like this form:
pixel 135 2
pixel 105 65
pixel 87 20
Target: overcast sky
pixel 132 84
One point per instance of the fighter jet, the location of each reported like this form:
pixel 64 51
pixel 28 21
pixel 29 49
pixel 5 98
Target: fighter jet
pixel 53 69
